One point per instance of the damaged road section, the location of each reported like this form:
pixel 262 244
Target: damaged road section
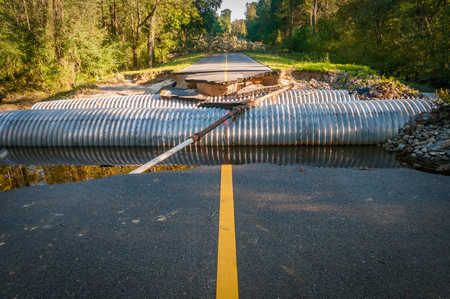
pixel 224 74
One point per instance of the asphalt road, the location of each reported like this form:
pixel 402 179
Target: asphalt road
pixel 225 68
pixel 317 233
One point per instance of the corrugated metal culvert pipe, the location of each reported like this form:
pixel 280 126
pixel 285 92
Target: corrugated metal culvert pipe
pixel 355 122
pixel 317 156
pixel 137 101
pixel 292 97
pixel 155 101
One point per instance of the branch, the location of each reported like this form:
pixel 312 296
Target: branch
pixel 149 15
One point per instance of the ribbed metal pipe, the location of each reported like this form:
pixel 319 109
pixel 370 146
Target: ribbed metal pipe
pixel 355 122
pixel 135 101
pixel 155 101
pixel 292 97
pixel 317 156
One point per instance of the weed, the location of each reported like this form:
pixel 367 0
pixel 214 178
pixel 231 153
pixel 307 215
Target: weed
pixel 444 95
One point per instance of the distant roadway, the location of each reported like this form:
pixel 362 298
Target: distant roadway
pixel 225 68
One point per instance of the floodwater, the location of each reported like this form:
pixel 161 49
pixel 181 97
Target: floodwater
pixel 29 166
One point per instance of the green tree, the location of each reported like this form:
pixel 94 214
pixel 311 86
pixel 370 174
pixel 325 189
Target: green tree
pixel 238 28
pixel 225 21
pixel 52 44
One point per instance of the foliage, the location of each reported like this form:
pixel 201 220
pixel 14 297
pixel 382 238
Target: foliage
pixel 55 53
pixel 238 28
pixel 222 43
pixel 55 45
pixel 401 38
pixel 225 21
pixel 444 95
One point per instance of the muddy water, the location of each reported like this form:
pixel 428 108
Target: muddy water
pixel 17 176
pixel 28 166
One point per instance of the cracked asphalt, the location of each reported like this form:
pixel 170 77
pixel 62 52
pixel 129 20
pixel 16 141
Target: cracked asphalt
pixel 225 68
pixel 317 233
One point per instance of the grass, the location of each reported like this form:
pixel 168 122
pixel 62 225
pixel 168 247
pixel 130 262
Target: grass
pixel 278 63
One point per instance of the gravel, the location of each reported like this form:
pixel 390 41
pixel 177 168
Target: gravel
pixel 425 140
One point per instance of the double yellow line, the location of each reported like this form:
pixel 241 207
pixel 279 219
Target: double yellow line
pixel 227 279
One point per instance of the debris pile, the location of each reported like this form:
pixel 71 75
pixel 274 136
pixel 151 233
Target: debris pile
pixel 426 142
pixel 314 84
pixel 218 44
pixel 372 87
pixel 118 78
pixel 385 90
pixel 360 84
pixel 86 91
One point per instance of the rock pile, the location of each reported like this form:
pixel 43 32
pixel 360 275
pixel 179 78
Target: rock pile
pixel 427 138
pixel 361 85
pixel 386 90
pixel 314 84
pixel 372 87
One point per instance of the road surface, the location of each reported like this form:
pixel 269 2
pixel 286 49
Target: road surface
pixel 225 68
pixel 300 232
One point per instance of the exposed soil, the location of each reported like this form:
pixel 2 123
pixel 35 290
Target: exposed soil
pixel 22 101
pixel 121 89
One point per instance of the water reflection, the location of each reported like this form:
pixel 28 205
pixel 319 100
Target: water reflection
pixel 13 176
pixel 320 156
pixel 66 164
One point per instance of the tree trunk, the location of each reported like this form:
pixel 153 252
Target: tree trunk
pixel 183 38
pixel 26 15
pixel 15 179
pixel 138 29
pixel 137 36
pixel 57 20
pixel 292 18
pixel 423 14
pixel 151 15
pixel 9 179
pixel 150 48
pixel 311 16
pixel 151 36
pixel 55 29
pixel 380 32
pixel 314 17
pixel 113 20
pixel 115 17
pixel 103 15
pixel 135 58
pixel 292 24
pixel 25 176
pixel 15 13
pixel 162 51
pixel 44 16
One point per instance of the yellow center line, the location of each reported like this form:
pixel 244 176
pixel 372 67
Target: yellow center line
pixel 227 279
pixel 226 60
